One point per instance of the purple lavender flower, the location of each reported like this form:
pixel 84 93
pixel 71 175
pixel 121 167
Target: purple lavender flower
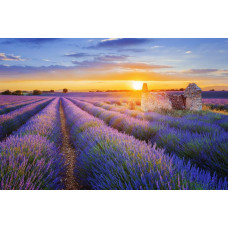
pixel 112 160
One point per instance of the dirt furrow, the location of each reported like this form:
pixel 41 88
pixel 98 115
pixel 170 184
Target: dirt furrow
pixel 69 154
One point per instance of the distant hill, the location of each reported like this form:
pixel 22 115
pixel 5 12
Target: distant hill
pixel 218 88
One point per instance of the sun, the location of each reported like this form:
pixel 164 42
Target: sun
pixel 137 85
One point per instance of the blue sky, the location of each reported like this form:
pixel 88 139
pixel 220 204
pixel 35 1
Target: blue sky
pixel 204 61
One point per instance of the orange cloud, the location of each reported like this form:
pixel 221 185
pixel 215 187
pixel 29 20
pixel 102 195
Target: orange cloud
pixel 6 57
pixel 105 75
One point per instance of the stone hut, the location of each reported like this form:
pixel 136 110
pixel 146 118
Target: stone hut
pixel 191 99
pixel 193 96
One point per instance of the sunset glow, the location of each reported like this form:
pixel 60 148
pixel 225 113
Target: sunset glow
pixel 137 85
pixel 112 64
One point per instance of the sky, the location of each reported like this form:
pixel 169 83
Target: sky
pixel 112 63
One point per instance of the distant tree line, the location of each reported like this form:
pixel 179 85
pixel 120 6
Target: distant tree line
pixel 8 92
pixel 20 92
pixel 36 92
pixel 181 89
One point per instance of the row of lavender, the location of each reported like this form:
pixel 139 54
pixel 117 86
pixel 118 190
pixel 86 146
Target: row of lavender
pixel 30 158
pixel 200 123
pixel 197 122
pixel 12 99
pixel 113 160
pixel 120 100
pixel 12 120
pixel 11 107
pixel 218 104
pixel 207 150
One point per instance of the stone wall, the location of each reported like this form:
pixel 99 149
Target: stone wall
pixel 153 101
pixel 193 96
pixel 178 101
pixel 191 99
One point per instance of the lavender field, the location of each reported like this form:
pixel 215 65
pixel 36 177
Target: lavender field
pixel 105 141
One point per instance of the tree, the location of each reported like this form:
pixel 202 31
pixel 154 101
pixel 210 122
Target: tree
pixel 181 89
pixel 65 90
pixel 52 91
pixel 36 92
pixel 7 92
pixel 17 92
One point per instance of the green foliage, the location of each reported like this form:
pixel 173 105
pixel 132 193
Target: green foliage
pixel 37 92
pixel 7 92
pixel 17 92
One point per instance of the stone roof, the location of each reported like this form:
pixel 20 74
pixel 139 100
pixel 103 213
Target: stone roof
pixel 193 86
pixel 144 88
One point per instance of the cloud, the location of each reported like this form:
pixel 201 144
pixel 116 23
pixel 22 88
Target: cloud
pixel 136 50
pixel 61 73
pixel 188 52
pixel 112 58
pixel 100 71
pixel 105 40
pixel 17 70
pixel 123 42
pixel 222 51
pixel 143 66
pixel 224 74
pixel 46 60
pixel 83 66
pixel 109 65
pixel 5 57
pixel 78 55
pixel 156 46
pixel 200 71
pixel 88 64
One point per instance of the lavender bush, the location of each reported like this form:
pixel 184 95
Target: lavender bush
pixel 11 107
pixel 113 160
pixel 29 162
pixel 46 123
pixel 207 149
pixel 30 158
pixel 193 122
pixel 12 120
pixel 13 99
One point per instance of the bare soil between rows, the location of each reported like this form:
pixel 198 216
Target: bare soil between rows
pixel 69 153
